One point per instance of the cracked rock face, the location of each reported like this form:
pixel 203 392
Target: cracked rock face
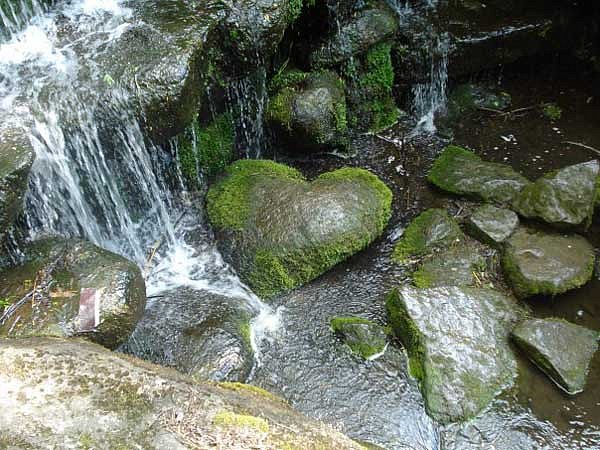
pixel 562 350
pixel 458 343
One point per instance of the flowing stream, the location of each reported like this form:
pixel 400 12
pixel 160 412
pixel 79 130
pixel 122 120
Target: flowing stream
pixel 96 176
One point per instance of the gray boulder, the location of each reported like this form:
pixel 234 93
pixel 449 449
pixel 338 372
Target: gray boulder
pixel 16 159
pixel 198 333
pixel 455 266
pixel 460 171
pixel 457 341
pixel 309 110
pixel 74 394
pixel 492 225
pixel 562 350
pixel 69 288
pixel 281 231
pixel 536 263
pixel 563 198
pixel 468 98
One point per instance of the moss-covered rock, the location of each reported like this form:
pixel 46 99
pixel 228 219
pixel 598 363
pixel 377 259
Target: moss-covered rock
pixel 71 288
pixel 460 171
pixel 456 266
pixel 432 229
pixel 366 29
pixel 280 231
pixel 537 263
pixel 370 80
pixel 364 337
pixel 74 394
pixel 467 98
pixel 492 225
pixel 206 149
pixel 457 341
pixel 562 198
pixel 562 350
pixel 308 110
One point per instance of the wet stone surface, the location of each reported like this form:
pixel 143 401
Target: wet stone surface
pixel 560 349
pixel 492 225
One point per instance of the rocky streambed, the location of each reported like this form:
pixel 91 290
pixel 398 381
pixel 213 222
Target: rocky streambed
pixel 418 280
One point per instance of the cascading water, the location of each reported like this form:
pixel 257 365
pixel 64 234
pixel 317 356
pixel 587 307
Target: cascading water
pixel 16 14
pixel 96 176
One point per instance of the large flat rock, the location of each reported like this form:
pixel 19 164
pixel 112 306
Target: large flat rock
pixel 458 343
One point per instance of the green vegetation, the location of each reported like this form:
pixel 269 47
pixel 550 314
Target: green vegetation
pixel 362 342
pixel 432 228
pixel 232 420
pixel 208 149
pixel 552 111
pixel 227 201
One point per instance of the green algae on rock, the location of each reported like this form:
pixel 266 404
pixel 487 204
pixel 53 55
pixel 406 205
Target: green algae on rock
pixel 537 263
pixel 457 340
pixel 281 231
pixel 364 337
pixel 562 350
pixel 562 198
pixel 492 225
pixel 72 288
pixel 456 266
pixel 308 110
pixel 431 229
pixel 81 395
pixel 467 98
pixel 460 171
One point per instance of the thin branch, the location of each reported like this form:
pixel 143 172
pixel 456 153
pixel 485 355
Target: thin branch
pixel 582 145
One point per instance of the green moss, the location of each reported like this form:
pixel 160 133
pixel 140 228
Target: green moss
pixel 227 201
pixel 422 279
pixel 405 329
pixel 373 80
pixel 438 173
pixel 280 108
pixel 229 419
pixel 338 323
pixel 365 346
pixel 552 111
pixel 287 78
pixel 430 229
pixel 250 389
pixel 207 149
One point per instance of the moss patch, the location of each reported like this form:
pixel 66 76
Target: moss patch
pixel 232 420
pixel 227 201
pixel 427 231
pixel 364 337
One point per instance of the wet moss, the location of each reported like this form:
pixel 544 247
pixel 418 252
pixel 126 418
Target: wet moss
pixel 552 111
pixel 430 229
pixel 206 149
pixel 365 345
pixel 229 419
pixel 405 329
pixel 227 201
pixel 251 389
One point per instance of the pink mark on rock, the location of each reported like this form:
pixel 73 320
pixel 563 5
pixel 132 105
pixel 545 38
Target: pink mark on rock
pixel 89 310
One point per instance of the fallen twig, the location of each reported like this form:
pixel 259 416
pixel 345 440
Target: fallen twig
pixel 582 145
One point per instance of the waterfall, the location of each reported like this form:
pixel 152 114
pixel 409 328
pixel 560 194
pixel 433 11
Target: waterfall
pixel 96 175
pixel 16 14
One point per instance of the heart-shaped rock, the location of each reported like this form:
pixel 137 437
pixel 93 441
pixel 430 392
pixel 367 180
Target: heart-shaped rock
pixel 281 231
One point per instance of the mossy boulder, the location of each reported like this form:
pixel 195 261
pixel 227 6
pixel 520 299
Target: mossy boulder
pixel 467 98
pixel 281 231
pixel 492 225
pixel 369 89
pixel 364 337
pixel 536 263
pixel 364 30
pixel 75 394
pixel 562 350
pixel 432 229
pixel 69 288
pixel 563 198
pixel 457 340
pixel 455 266
pixel 198 333
pixel 460 171
pixel 308 110
pixel 16 158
